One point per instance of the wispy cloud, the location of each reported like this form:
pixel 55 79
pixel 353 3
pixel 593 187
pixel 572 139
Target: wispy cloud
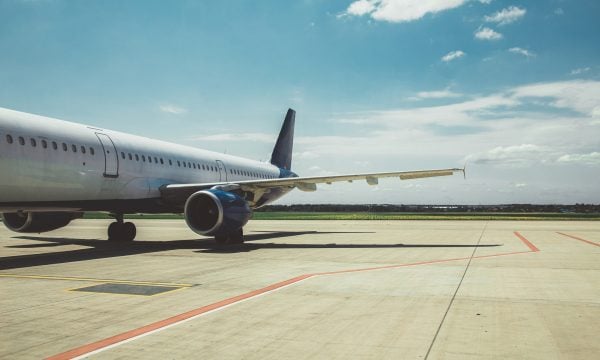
pixel 452 55
pixel 506 16
pixel 580 71
pixel 513 156
pixel 559 11
pixel 592 158
pixel 436 94
pixel 521 51
pixel 487 34
pixel 172 109
pixel 399 10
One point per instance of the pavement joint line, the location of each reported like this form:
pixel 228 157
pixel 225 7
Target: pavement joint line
pixel 437 332
pixel 578 238
pixel 70 278
pixel 96 347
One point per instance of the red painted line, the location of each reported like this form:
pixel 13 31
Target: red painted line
pixel 88 348
pixel 526 242
pixel 578 238
pixel 131 334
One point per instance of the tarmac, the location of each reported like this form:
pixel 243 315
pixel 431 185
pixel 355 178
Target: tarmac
pixel 305 290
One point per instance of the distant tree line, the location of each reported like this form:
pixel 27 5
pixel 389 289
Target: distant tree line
pixel 375 208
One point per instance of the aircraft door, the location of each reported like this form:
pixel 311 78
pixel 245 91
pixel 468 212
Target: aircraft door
pixel 111 159
pixel 222 171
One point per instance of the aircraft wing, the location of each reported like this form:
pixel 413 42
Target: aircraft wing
pixel 177 193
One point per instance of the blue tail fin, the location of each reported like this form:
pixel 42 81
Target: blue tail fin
pixel 282 153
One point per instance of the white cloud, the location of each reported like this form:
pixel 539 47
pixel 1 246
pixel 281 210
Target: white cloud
pixel 582 96
pixel 514 156
pixel 436 94
pixel 400 10
pixel 486 2
pixel 559 11
pixel 487 34
pixel 172 109
pixel 580 71
pixel 361 7
pixel 521 51
pixel 506 16
pixel 585 159
pixel 253 137
pixel 452 55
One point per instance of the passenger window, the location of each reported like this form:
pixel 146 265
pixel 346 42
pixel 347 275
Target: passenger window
pixel 21 140
pixel 82 149
pixel 194 165
pixel 155 160
pixel 137 158
pixel 54 145
pixel 149 159
pixel 92 150
pixel 161 161
pixel 178 163
pixel 74 148
pixel 184 165
pixel 189 165
pixel 64 146
pixel 123 155
pixel 44 144
pixel 130 157
pixel 33 142
pixel 144 158
pixel 9 139
pixel 170 162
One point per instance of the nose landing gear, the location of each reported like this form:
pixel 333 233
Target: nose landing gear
pixel 121 231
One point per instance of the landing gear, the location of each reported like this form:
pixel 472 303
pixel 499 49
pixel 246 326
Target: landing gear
pixel 232 238
pixel 121 231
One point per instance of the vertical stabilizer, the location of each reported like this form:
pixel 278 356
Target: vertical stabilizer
pixel 282 153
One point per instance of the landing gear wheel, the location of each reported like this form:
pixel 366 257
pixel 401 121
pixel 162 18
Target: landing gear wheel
pixel 236 237
pixel 221 240
pixel 123 232
pixel 129 231
pixel 232 238
pixel 113 231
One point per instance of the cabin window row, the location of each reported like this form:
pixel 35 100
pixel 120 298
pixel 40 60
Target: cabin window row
pixel 45 144
pixel 250 174
pixel 187 164
pixel 162 161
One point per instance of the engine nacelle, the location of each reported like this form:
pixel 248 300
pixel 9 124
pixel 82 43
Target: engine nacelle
pixel 37 222
pixel 216 212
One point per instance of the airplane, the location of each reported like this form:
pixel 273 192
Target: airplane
pixel 52 171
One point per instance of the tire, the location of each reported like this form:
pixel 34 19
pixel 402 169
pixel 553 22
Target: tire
pixel 128 231
pixel 114 230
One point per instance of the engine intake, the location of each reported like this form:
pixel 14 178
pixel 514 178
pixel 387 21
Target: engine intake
pixel 216 212
pixel 37 222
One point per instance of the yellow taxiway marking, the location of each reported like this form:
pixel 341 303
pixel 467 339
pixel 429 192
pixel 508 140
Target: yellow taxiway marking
pixel 70 278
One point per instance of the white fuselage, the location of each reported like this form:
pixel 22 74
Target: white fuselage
pixel 50 164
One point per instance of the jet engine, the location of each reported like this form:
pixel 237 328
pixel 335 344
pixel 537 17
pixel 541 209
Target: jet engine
pixel 216 212
pixel 37 222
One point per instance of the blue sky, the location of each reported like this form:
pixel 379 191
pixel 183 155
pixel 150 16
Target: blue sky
pixel 512 88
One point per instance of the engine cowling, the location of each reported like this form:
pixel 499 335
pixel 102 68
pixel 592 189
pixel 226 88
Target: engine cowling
pixel 216 212
pixel 37 222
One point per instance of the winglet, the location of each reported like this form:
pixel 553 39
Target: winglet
pixel 464 171
pixel 282 153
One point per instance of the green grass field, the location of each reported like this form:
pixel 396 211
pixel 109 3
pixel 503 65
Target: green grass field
pixel 382 216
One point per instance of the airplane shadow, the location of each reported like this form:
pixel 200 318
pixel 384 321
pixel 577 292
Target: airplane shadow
pixel 100 249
